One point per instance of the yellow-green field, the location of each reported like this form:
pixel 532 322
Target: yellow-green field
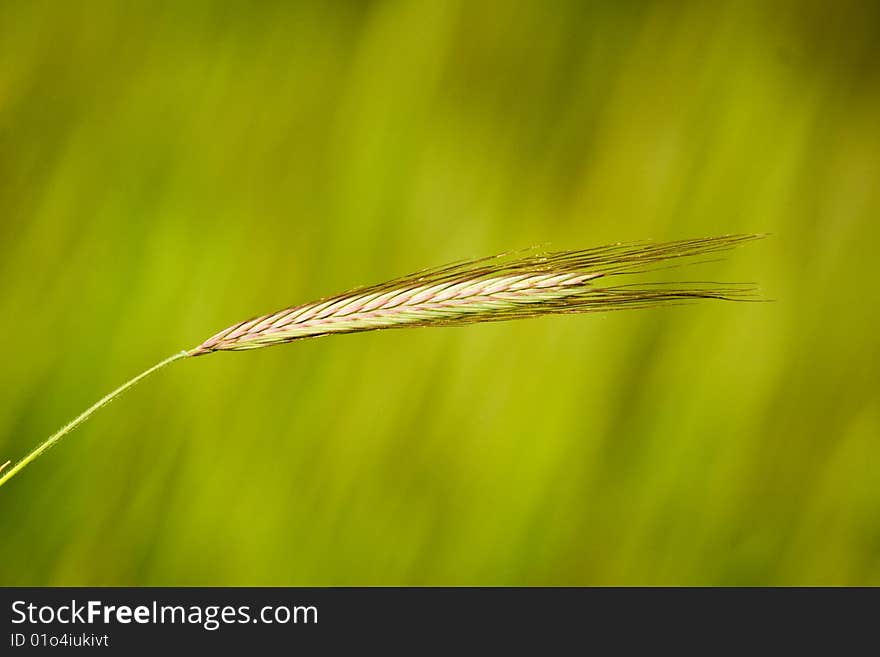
pixel 167 169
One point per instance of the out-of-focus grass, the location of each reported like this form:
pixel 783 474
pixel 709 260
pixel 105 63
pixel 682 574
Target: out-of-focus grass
pixel 169 168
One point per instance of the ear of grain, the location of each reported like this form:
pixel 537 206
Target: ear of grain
pixel 508 286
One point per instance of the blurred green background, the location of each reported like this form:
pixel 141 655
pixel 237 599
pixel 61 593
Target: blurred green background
pixel 167 169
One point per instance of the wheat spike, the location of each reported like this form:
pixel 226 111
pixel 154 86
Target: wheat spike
pixel 485 290
pixel 507 286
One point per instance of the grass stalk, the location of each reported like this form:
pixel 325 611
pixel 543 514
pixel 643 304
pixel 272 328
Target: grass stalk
pixel 509 286
pixel 82 417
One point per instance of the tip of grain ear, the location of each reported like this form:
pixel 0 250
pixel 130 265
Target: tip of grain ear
pixel 4 465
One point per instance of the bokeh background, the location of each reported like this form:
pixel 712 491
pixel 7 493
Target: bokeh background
pixel 167 169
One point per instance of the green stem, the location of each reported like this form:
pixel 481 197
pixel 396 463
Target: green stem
pixel 82 417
